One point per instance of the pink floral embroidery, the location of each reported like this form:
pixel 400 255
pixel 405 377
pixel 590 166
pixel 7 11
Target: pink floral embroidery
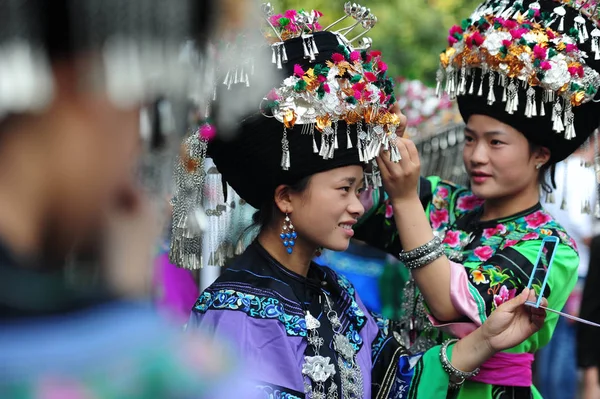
pixel 468 203
pixel 438 217
pixel 484 253
pixel 479 277
pixel 537 219
pixel 510 243
pixel 531 236
pixel 389 211
pixel 452 238
pixel 504 295
pixel 442 192
pixel 493 231
pixel 573 243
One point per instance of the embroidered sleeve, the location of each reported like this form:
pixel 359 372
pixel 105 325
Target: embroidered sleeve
pixel 482 287
pixel 378 228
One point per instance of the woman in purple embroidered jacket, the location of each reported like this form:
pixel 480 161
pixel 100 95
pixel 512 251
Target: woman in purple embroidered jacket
pixel 525 88
pixel 301 328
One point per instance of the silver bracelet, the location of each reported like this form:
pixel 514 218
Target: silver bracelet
pixel 426 259
pixel 457 377
pixel 420 251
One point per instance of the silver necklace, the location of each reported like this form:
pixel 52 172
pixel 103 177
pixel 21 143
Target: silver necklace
pixel 319 369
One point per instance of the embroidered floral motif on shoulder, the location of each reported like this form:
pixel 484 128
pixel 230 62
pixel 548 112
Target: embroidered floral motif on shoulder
pixel 258 307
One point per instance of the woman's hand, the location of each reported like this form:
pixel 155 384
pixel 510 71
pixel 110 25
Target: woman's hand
pixel 401 179
pixel 513 322
pixel 509 325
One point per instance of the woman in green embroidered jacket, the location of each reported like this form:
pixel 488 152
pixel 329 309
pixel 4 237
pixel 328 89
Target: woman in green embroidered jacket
pixel 491 235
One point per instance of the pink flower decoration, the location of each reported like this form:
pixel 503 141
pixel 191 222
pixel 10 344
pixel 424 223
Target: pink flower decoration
pixel 580 71
pixel 504 295
pixel 442 192
pixel 455 29
pixel 317 13
pixel 291 14
pixel 483 253
pixel 510 24
pixel 207 132
pixel 389 211
pixel 573 71
pixel 357 94
pixel 494 231
pixel 539 52
pixel 273 96
pixel 537 219
pixel 317 26
pixel 337 58
pixel 438 217
pixel 322 79
pixel 500 20
pixel 531 236
pixel 510 243
pixel 452 238
pixel 274 19
pixel 518 33
pixel 550 34
pixel 506 43
pixel 298 71
pixel 382 66
pixel 370 76
pixel 375 53
pixel 477 38
pixel 468 202
pixel 354 56
pixel 545 65
pixel 570 47
pixel 452 40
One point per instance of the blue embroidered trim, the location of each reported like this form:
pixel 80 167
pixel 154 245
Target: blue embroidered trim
pixel 254 306
pixel 276 392
pixel 383 325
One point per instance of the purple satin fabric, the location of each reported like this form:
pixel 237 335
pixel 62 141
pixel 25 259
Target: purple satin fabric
pixel 270 355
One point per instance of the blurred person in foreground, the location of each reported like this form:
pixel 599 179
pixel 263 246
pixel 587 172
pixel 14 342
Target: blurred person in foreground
pixel 70 100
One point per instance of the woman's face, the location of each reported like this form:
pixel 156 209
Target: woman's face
pixel 498 158
pixel 323 215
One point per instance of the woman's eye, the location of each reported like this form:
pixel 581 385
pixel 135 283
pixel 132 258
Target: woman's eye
pixel 496 142
pixel 360 190
pixel 346 189
pixel 468 139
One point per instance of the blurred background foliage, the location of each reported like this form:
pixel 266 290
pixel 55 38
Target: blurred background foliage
pixel 410 33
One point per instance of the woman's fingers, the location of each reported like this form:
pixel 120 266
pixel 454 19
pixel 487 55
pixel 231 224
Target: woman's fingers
pixel 413 153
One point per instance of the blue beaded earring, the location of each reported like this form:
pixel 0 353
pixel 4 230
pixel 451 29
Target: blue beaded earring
pixel 288 235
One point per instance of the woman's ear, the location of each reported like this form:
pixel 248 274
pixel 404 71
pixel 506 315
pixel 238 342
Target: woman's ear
pixel 283 199
pixel 541 156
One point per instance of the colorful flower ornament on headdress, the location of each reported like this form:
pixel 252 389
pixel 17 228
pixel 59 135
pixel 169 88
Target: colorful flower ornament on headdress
pixel 352 86
pixel 522 47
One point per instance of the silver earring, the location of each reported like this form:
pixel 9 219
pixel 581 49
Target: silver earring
pixel 539 166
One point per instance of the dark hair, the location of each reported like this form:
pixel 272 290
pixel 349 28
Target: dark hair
pixel 268 211
pixel 547 170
